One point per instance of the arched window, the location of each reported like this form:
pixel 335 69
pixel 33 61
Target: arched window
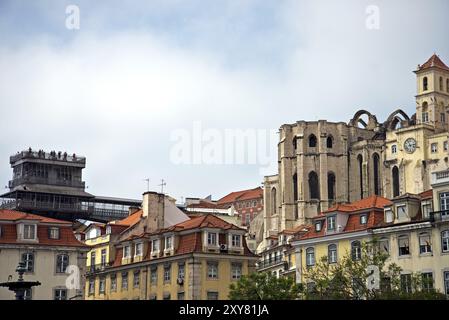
pixel 329 142
pixel 360 161
pixel 441 84
pixel 331 186
pixel 273 200
pixel 395 176
pixel 356 250
pixel 332 253
pixel 295 187
pixel 376 174
pixel 424 84
pixel 295 144
pixel 314 185
pixel 310 257
pixel 312 141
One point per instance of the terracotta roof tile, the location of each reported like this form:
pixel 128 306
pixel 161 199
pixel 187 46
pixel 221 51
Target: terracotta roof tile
pixel 130 220
pixel 241 195
pixel 434 61
pixel 366 203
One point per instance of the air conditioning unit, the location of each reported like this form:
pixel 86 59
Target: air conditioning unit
pixel 223 247
pixel 180 281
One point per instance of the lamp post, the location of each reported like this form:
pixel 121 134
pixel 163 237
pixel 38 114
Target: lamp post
pixel 20 286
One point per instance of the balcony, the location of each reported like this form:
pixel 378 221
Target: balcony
pixel 263 264
pixel 438 216
pixel 98 267
pixel 46 181
pixel 440 177
pixel 30 154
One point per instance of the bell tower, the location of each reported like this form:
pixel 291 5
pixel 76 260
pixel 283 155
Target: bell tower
pixel 432 99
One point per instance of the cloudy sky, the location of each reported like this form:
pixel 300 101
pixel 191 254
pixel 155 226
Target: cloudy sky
pixel 133 84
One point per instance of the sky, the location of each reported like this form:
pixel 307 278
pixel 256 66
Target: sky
pixel 157 89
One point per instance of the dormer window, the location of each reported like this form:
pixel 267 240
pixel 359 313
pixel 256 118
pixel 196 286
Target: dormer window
pixel 363 219
pixel 126 252
pixel 29 231
pixel 389 216
pixel 236 240
pixel 138 249
pixel 168 242
pixel 401 212
pixel 331 223
pixel 155 245
pixel 318 226
pixel 53 233
pixel 211 239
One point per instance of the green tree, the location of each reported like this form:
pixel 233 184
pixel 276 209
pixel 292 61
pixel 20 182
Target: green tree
pixel 264 286
pixel 352 278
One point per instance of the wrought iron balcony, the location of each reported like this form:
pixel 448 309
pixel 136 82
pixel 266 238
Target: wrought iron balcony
pixel 98 267
pixel 262 264
pixel 437 216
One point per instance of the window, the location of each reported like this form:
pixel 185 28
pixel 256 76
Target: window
pixel 434 147
pixel 356 250
pixel 395 175
pixel 138 249
pixel 425 117
pixel 426 209
pixel 273 200
pixel 60 294
pixel 424 243
pixel 168 243
pixel 363 219
pixel 212 295
pixel 181 296
pixel 236 271
pixel 295 144
pixel 404 247
pixel 444 201
pixel 394 149
pixel 384 246
pixel 331 223
pixel 136 279
pixel 329 142
pixel 53 233
pixel 62 262
pixel 126 252
pixel 29 231
pixel 28 294
pixel 318 226
pixel 406 283
pixel 442 117
pixel 331 186
pixel 385 284
pixel 236 240
pixel 446 282
pixel 332 253
pixel 113 282
pixel 424 84
pixel 310 257
pixel 167 273
pixel 388 215
pixel 445 145
pixel 155 245
pixel 427 281
pixel 314 185
pixel 103 257
pixel 102 286
pixel 212 270
pixel 153 275
pixel 92 258
pixel 211 239
pixel 247 219
pixel 312 141
pixel 401 212
pixel 91 286
pixel 181 271
pixel 360 161
pixel 28 259
pixel 124 280
pixel 445 241
pixel 441 84
pixel 108 230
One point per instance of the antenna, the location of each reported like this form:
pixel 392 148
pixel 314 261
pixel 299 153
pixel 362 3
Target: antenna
pixel 162 185
pixel 148 183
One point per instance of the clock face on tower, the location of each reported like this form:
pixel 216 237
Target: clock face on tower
pixel 410 145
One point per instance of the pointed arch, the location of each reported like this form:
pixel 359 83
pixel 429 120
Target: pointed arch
pixel 376 169
pixel 314 188
pixel 360 163
pixel 331 185
pixel 395 179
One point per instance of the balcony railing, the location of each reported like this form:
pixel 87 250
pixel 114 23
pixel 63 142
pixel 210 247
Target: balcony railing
pixel 55 156
pixel 437 216
pixel 269 263
pixel 37 180
pixel 99 267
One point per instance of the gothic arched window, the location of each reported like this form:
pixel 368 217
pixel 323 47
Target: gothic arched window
pixel 331 186
pixel 360 161
pixel 329 142
pixel 376 174
pixel 424 84
pixel 273 200
pixel 312 141
pixel 314 185
pixel 395 175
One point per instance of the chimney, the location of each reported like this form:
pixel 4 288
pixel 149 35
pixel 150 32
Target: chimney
pixel 132 210
pixel 153 210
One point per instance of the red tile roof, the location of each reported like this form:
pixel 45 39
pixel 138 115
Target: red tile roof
pixel 366 203
pixel 130 220
pixel 9 230
pixel 428 194
pixel 434 61
pixel 255 193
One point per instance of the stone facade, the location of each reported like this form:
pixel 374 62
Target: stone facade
pixel 322 163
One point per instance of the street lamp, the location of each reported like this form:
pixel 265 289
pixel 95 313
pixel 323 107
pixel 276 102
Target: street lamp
pixel 20 286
